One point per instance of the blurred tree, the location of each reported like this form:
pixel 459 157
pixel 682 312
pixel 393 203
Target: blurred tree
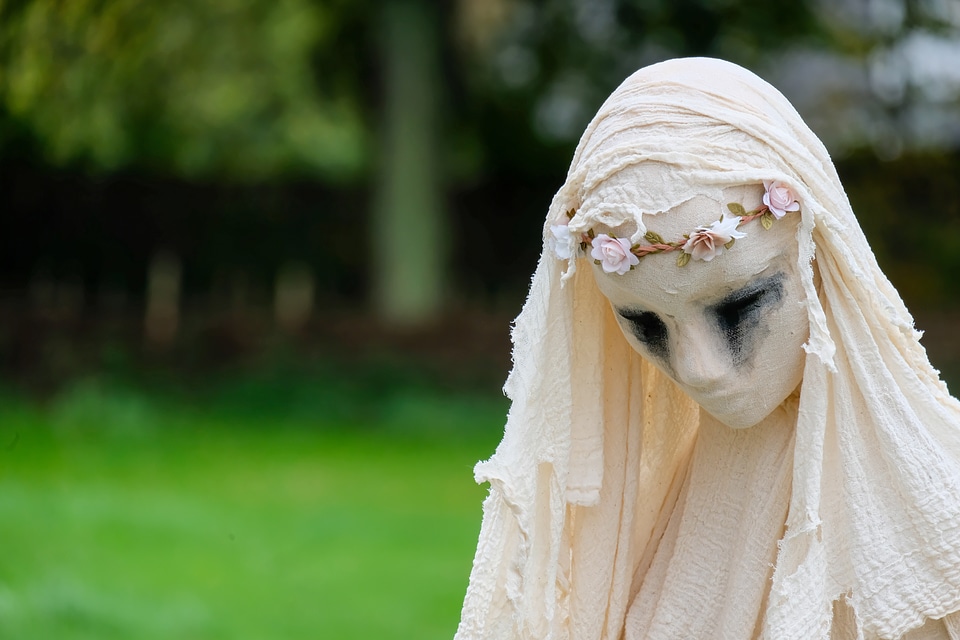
pixel 247 89
pixel 237 99
pixel 561 58
pixel 875 73
pixel 219 87
pixel 908 98
pixel 408 226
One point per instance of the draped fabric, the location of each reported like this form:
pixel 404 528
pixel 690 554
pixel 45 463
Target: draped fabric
pixel 854 531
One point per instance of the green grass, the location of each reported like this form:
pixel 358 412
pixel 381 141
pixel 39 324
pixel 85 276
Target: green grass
pixel 218 515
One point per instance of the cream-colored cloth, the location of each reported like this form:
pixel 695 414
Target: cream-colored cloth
pixel 607 475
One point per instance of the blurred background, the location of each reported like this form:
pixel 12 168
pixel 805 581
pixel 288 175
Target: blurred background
pixel 258 261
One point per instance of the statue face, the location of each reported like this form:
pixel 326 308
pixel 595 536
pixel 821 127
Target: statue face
pixel 729 331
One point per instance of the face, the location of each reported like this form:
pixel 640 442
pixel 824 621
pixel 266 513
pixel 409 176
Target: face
pixel 729 331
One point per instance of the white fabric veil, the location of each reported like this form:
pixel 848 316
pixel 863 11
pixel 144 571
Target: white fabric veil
pixel 597 440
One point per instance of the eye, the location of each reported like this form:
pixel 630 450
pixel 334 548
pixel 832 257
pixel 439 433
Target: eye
pixel 733 313
pixel 740 315
pixel 648 329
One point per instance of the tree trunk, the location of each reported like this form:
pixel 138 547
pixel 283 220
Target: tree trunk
pixel 409 235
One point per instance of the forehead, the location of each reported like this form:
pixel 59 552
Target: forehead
pixel 657 283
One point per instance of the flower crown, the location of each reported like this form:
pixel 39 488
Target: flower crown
pixel 617 255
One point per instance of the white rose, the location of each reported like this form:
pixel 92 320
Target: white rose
pixel 562 242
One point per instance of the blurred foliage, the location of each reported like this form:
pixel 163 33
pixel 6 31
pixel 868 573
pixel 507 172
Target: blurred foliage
pixel 254 89
pixel 219 87
pixel 561 58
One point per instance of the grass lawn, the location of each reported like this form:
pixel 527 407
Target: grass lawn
pixel 124 515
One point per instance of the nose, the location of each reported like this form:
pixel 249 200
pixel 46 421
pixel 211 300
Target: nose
pixel 699 359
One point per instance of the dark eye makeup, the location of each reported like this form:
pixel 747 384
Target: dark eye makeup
pixel 739 314
pixel 736 316
pixel 649 330
pixel 734 312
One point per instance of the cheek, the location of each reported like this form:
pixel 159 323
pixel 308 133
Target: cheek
pixel 780 356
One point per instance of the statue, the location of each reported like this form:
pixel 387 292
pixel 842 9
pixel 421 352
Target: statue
pixel 723 424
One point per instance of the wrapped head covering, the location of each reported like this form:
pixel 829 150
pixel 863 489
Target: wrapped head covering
pixel 598 443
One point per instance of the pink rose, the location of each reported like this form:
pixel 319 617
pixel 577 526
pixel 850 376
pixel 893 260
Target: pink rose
pixel 779 198
pixel 706 243
pixel 613 254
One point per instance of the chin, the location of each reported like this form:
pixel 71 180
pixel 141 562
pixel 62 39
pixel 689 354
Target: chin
pixel 738 420
pixel 744 417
